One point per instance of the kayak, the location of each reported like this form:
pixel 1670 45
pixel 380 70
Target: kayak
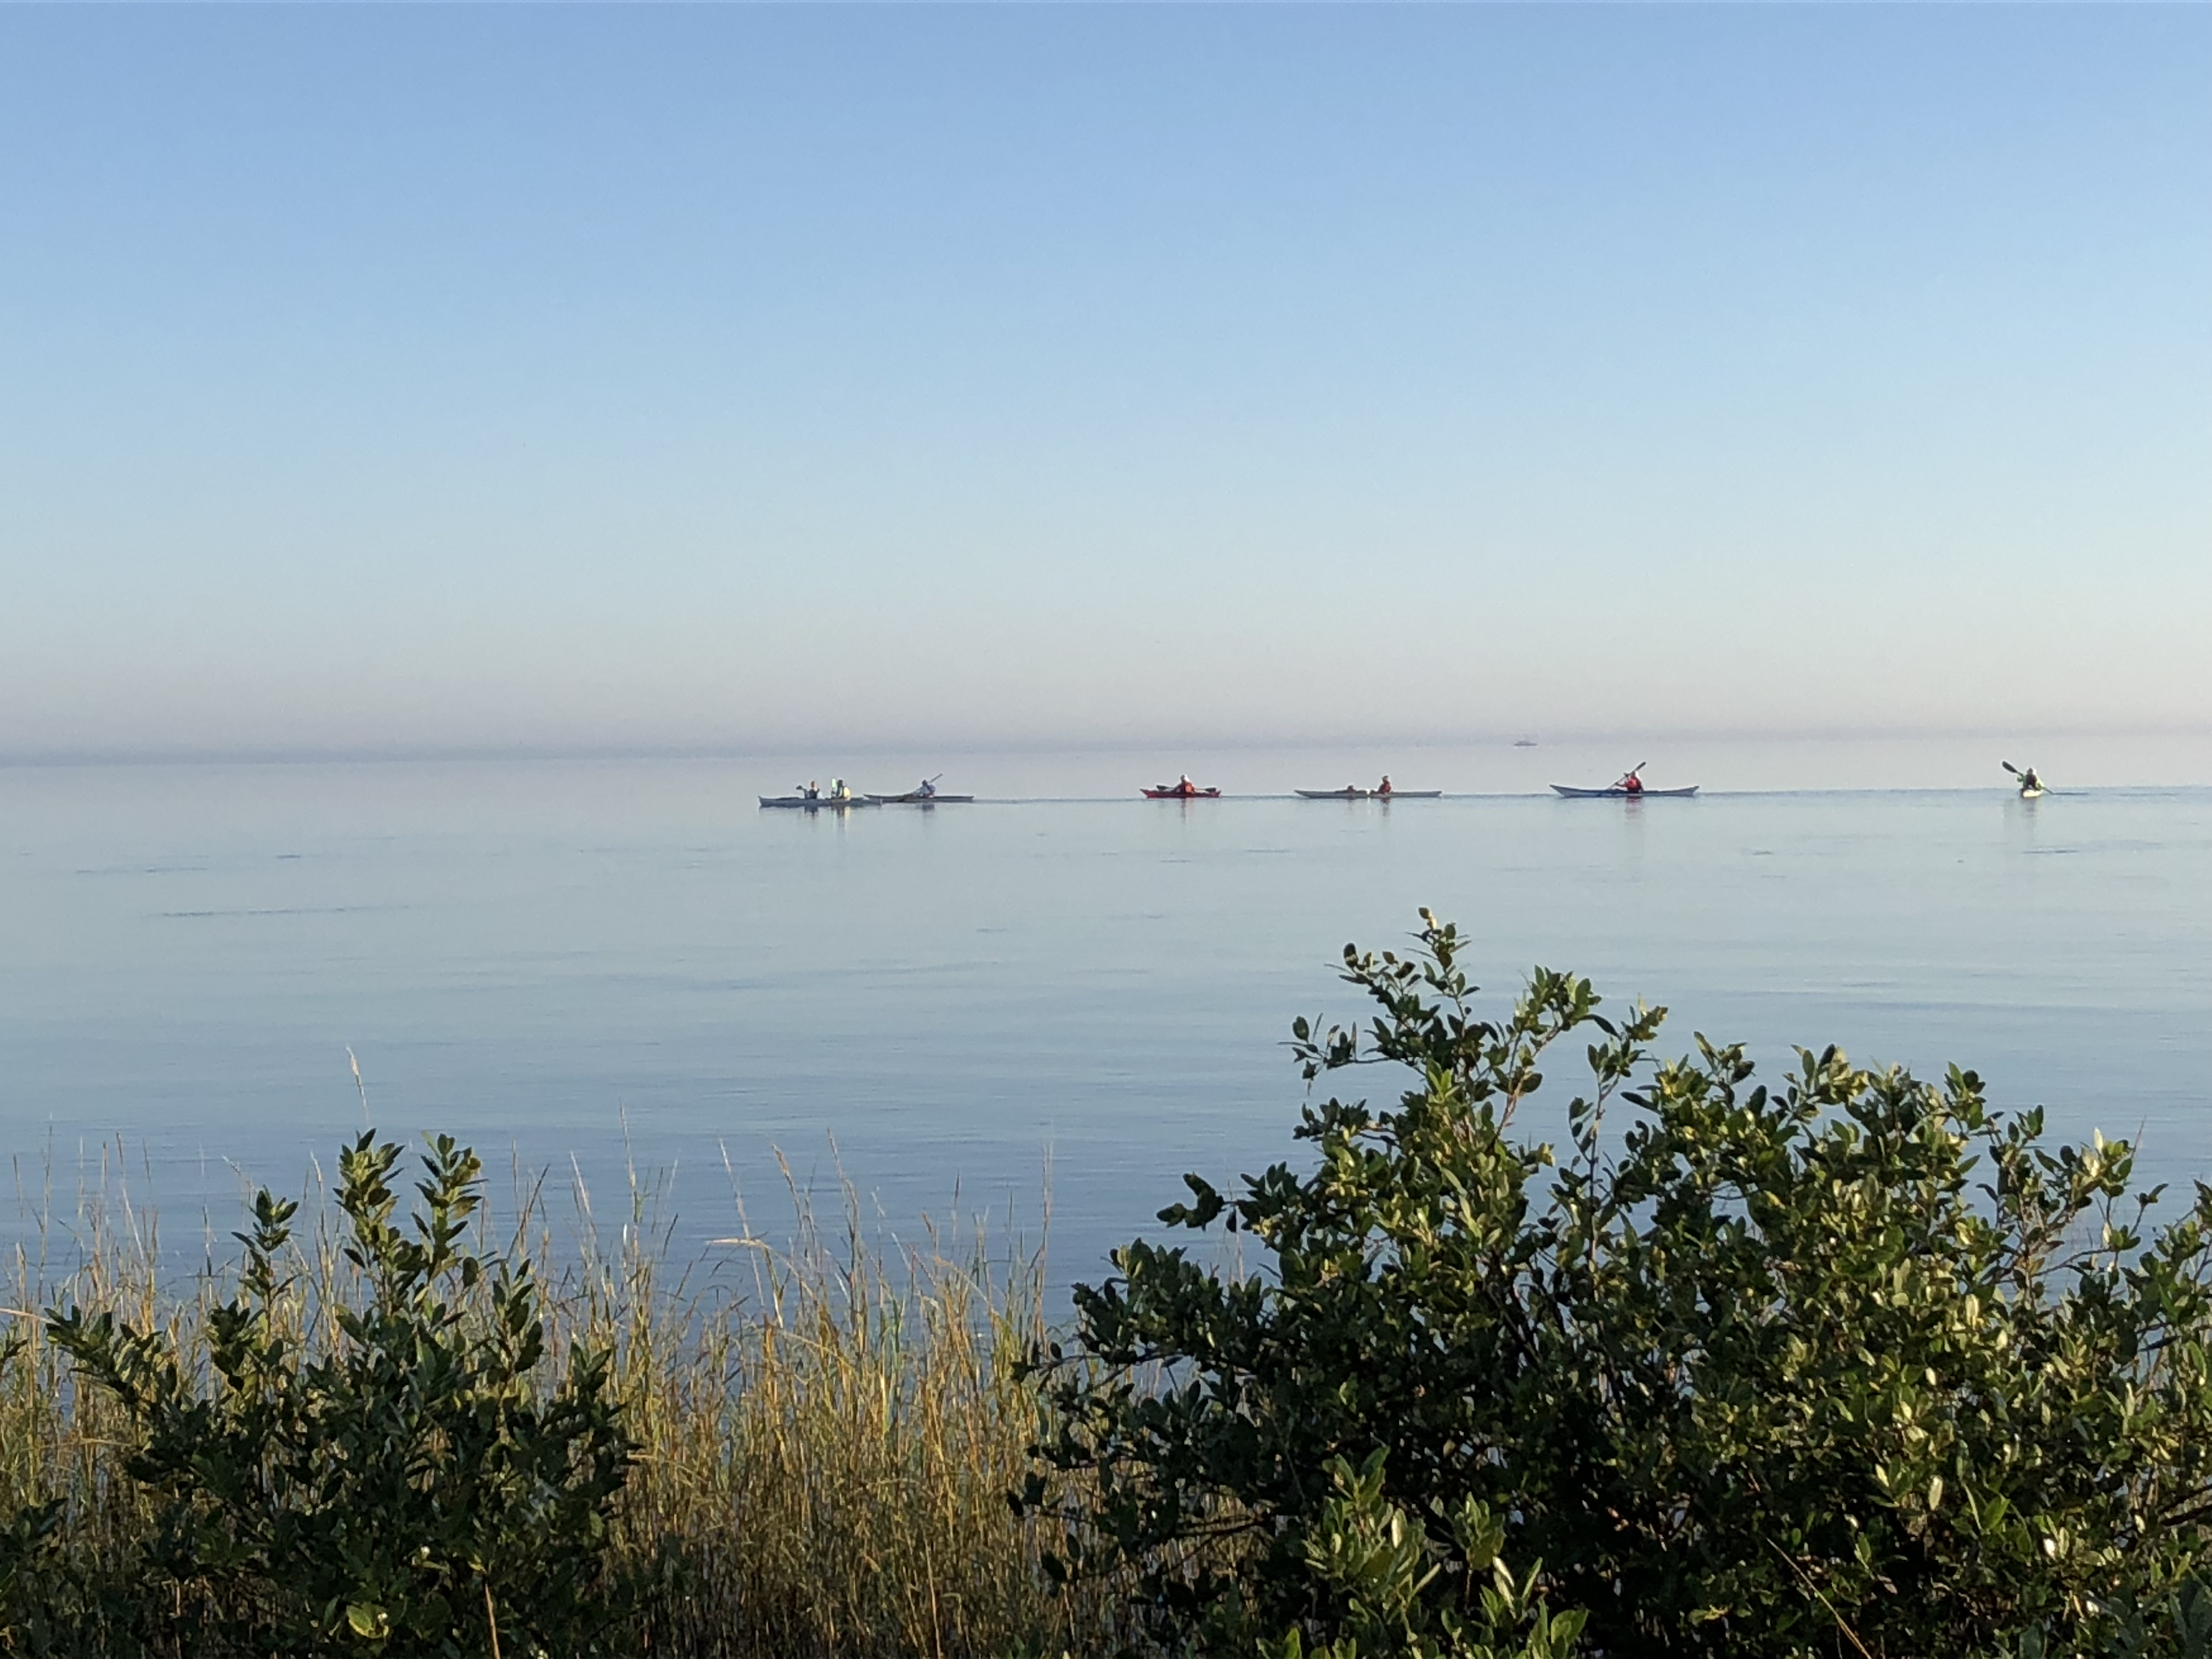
pixel 1369 794
pixel 1176 791
pixel 913 799
pixel 1625 794
pixel 817 803
pixel 2035 794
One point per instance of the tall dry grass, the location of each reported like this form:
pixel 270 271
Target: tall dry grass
pixel 828 1426
pixel 60 1443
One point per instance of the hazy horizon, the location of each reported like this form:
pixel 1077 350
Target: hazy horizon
pixel 357 788
pixel 2190 739
pixel 415 381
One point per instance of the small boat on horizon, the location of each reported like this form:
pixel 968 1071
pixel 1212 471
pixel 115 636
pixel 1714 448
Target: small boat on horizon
pixel 1628 786
pixel 924 794
pixel 1353 791
pixel 1182 789
pixel 809 798
pixel 820 803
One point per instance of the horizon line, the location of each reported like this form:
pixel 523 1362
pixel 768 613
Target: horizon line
pixel 521 753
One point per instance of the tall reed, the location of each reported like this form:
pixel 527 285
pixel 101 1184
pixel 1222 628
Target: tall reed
pixel 60 1444
pixel 828 1426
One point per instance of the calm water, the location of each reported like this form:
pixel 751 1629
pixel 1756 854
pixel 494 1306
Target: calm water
pixel 597 962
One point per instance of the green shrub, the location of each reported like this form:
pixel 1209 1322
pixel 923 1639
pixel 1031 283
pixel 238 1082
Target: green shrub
pixel 400 1483
pixel 825 1434
pixel 1852 1366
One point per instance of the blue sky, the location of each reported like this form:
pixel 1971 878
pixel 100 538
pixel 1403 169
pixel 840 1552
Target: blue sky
pixel 403 380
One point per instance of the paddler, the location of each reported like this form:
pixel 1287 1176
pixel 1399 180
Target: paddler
pixel 1631 784
pixel 1384 788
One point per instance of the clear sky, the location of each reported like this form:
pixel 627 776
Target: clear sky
pixel 411 379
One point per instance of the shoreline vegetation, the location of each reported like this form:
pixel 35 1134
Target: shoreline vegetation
pixel 824 1437
pixel 1847 1365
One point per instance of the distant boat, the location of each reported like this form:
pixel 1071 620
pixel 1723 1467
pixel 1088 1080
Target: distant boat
pixel 1524 742
pixel 1352 792
pixel 1185 790
pixel 1616 793
pixel 820 803
pixel 922 794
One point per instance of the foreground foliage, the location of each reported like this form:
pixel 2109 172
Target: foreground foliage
pixel 823 1439
pixel 409 1489
pixel 1853 1365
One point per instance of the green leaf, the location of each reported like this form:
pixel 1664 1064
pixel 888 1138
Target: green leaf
pixel 367 1620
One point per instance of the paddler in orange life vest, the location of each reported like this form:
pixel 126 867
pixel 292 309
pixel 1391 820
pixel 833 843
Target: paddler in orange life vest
pixel 1633 785
pixel 1384 788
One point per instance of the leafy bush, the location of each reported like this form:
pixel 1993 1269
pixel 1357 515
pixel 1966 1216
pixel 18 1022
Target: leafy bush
pixel 401 1484
pixel 1856 1366
pixel 826 1431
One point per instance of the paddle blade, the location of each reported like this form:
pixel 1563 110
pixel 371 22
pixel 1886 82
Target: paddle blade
pixel 2010 768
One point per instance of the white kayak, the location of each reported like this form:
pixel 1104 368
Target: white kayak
pixel 817 803
pixel 1618 793
pixel 913 799
pixel 2036 793
pixel 1369 794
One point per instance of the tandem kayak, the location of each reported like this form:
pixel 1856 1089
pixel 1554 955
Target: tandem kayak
pixel 818 803
pixel 1182 791
pixel 1617 793
pixel 1349 794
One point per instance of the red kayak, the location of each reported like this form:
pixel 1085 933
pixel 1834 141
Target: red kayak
pixel 1184 791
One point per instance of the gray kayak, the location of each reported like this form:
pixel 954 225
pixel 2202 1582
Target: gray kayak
pixel 1369 794
pixel 912 799
pixel 817 803
pixel 1625 794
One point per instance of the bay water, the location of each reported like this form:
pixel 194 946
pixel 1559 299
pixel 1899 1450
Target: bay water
pixel 1061 993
